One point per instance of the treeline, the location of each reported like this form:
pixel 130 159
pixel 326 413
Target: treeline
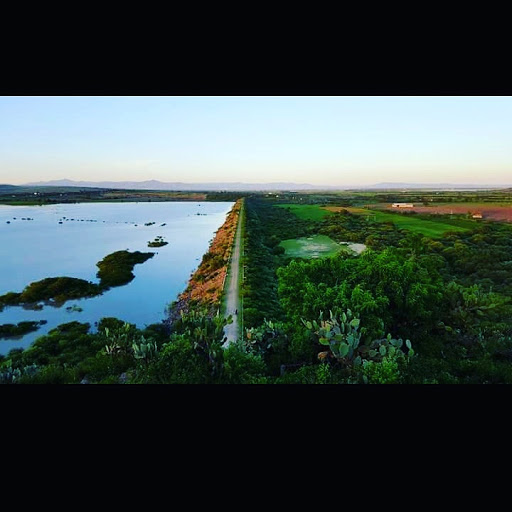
pixel 345 227
pixel 226 196
pixel 265 227
pixel 482 256
pixel 56 195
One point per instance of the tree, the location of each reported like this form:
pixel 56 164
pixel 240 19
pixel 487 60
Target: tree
pixel 390 291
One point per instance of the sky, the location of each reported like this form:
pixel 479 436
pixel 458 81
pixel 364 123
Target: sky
pixel 321 140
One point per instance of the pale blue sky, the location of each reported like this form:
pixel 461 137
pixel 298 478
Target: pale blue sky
pixel 319 140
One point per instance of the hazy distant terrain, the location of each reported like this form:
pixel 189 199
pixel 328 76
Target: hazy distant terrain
pixel 159 185
pixel 240 186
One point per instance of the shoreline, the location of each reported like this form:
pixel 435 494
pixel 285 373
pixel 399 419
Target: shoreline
pixel 206 285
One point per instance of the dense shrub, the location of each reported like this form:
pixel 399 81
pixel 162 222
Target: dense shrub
pixel 116 268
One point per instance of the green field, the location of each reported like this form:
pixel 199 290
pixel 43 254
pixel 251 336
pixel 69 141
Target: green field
pixel 427 227
pixel 432 228
pixel 312 247
pixel 307 211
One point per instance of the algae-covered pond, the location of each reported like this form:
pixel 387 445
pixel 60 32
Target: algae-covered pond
pixel 318 246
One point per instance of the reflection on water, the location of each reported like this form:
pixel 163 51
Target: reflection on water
pixel 69 239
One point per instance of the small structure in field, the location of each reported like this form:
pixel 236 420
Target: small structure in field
pixel 402 205
pixel 477 216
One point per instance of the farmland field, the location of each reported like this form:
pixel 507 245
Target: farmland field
pixel 307 211
pixel 350 209
pixel 427 227
pixel 491 211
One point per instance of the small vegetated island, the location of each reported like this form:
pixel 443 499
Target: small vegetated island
pixel 157 242
pixel 114 270
pixel 11 330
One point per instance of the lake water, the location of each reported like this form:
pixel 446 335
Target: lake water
pixel 69 239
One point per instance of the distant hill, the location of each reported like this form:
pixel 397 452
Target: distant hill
pixel 239 186
pixel 160 185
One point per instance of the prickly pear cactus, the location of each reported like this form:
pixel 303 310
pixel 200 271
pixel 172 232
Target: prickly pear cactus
pixel 145 349
pixel 262 338
pixel 341 335
pixel 389 347
pixel 10 375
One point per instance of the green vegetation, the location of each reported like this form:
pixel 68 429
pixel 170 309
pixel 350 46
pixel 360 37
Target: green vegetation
pixel 307 211
pixel 157 242
pixel 389 291
pixel 449 294
pixel 56 289
pixel 74 308
pixel 413 222
pixel 10 330
pixel 312 247
pixel 121 353
pixel 265 228
pixel 419 224
pixel 424 304
pixel 114 270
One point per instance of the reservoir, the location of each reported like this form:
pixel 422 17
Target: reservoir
pixel 69 239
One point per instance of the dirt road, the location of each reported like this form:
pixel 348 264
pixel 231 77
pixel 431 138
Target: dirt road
pixel 232 300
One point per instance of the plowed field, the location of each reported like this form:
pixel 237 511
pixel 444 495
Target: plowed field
pixel 491 212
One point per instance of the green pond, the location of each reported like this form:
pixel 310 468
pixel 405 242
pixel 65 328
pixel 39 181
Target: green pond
pixel 317 246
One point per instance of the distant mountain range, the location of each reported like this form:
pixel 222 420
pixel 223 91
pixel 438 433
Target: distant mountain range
pixel 160 185
pixel 238 186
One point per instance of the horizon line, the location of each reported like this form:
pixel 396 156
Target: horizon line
pixel 398 184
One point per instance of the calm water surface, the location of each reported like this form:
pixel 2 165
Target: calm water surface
pixel 31 250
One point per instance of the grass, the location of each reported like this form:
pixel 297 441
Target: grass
pixel 432 228
pixel 307 211
pixel 350 209
pixel 427 227
pixel 312 247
